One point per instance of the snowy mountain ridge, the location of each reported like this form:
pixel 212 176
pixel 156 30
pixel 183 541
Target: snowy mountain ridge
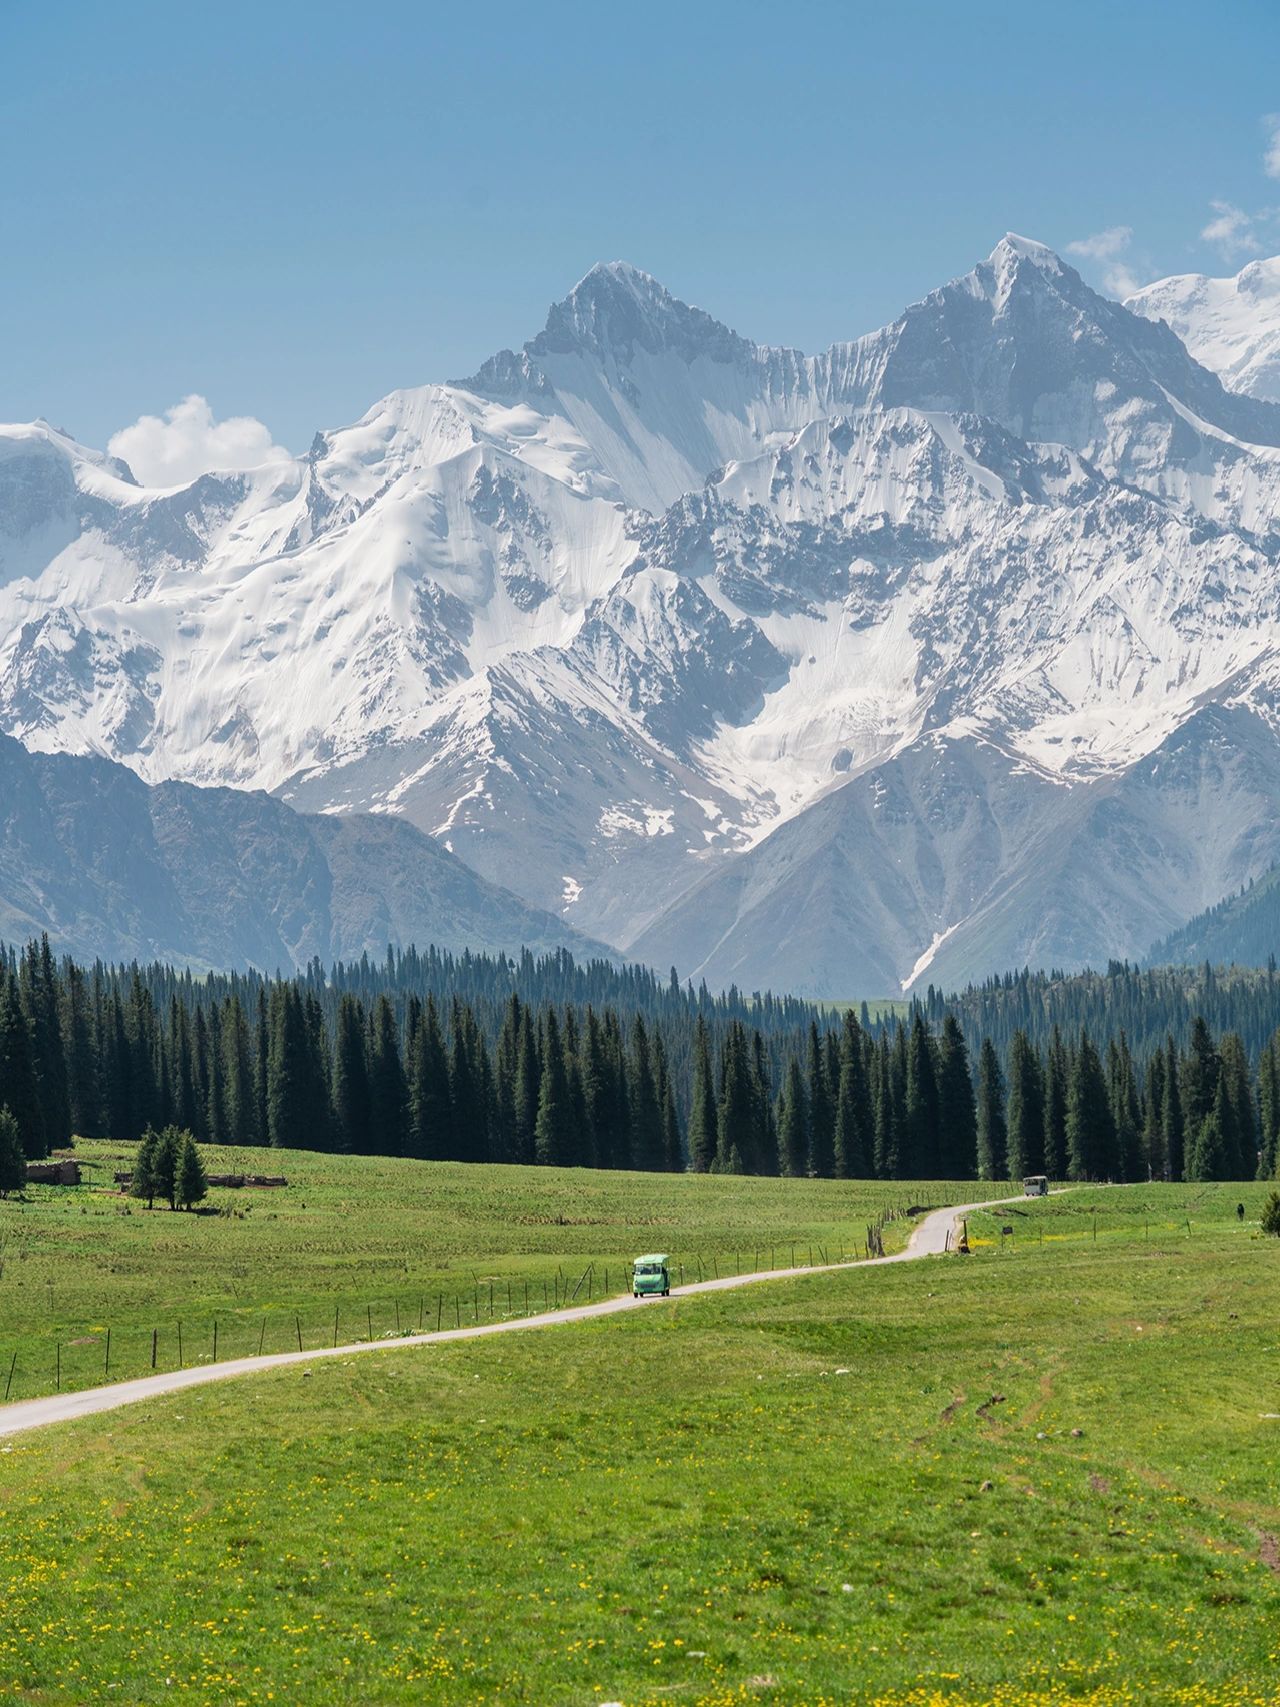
pixel 622 609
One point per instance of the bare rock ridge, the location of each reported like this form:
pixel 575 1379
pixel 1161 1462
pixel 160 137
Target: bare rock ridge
pixel 953 647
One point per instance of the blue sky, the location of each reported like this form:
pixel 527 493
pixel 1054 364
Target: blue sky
pixel 293 208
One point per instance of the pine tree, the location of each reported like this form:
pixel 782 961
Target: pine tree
pixel 13 1164
pixel 1055 1108
pixel 1122 1094
pixel 648 1150
pixel 1153 1117
pixel 1026 1108
pixel 957 1108
pixel 702 1115
pixel 739 1111
pixel 1242 1132
pixel 854 1134
pixel 388 1092
pixel 241 1105
pixel 1090 1129
pixel 552 1130
pixel 1200 1073
pixel 672 1147
pixel 820 1160
pixel 190 1184
pixel 1269 1108
pixel 992 1130
pixel 793 1122
pixel 886 1121
pixel 922 1102
pixel 145 1181
pixel 84 1092
pixel 430 1116
pixel 38 997
pixel 1173 1122
pixel 1208 1153
pixel 19 1087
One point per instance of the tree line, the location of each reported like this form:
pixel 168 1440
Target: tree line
pixel 390 1072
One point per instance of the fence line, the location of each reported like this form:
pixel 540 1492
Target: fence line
pixel 163 1346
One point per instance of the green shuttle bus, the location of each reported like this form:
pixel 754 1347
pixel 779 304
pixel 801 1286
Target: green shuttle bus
pixel 650 1277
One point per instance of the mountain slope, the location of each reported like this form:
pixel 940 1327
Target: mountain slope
pixel 1231 325
pixel 220 877
pixel 645 602
pixel 1242 930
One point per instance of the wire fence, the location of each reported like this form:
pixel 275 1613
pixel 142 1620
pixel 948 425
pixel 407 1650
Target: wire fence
pixel 113 1352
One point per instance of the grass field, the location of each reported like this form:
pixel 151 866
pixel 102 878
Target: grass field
pixel 387 1244
pixel 1042 1474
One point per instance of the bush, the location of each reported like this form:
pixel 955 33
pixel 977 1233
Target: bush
pixel 1271 1215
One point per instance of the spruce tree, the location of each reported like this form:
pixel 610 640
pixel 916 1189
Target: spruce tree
pixel 886 1116
pixel 957 1108
pixel 388 1092
pixel 1090 1129
pixel 1026 1108
pixel 13 1164
pixel 145 1181
pixel 1208 1152
pixel 1055 1108
pixel 553 1137
pixel 84 1092
pixel 1200 1072
pixel 922 1103
pixel 992 1129
pixel 854 1133
pixel 702 1114
pixel 1153 1118
pixel 190 1185
pixel 820 1160
pixel 648 1149
pixel 430 1118
pixel 738 1114
pixel 1269 1108
pixel 793 1123
pixel 1242 1134
pixel 19 1087
pixel 1173 1123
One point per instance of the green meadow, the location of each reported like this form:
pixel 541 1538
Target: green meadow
pixel 373 1246
pixel 1040 1475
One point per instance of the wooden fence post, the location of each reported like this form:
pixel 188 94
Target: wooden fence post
pixel 13 1364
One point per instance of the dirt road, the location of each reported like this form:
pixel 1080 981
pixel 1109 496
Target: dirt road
pixel 928 1239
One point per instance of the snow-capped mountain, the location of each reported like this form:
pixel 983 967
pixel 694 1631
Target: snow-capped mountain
pixel 1231 325
pixel 652 625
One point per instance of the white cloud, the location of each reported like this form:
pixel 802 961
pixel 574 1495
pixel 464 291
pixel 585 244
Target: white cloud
pixel 1118 278
pixel 188 442
pixel 1231 230
pixel 1271 158
pixel 1103 244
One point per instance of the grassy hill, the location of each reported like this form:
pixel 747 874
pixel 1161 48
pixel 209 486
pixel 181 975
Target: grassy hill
pixel 387 1244
pixel 1040 1475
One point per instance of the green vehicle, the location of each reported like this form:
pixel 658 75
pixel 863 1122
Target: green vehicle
pixel 650 1277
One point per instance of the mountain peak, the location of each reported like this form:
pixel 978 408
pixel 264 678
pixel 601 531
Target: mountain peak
pixel 1011 247
pixel 616 309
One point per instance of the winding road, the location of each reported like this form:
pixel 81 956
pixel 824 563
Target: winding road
pixel 928 1239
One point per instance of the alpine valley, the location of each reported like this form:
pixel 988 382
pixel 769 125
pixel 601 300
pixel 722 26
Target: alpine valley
pixel 954 648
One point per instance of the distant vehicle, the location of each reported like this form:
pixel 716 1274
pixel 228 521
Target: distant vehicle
pixel 1035 1185
pixel 650 1277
